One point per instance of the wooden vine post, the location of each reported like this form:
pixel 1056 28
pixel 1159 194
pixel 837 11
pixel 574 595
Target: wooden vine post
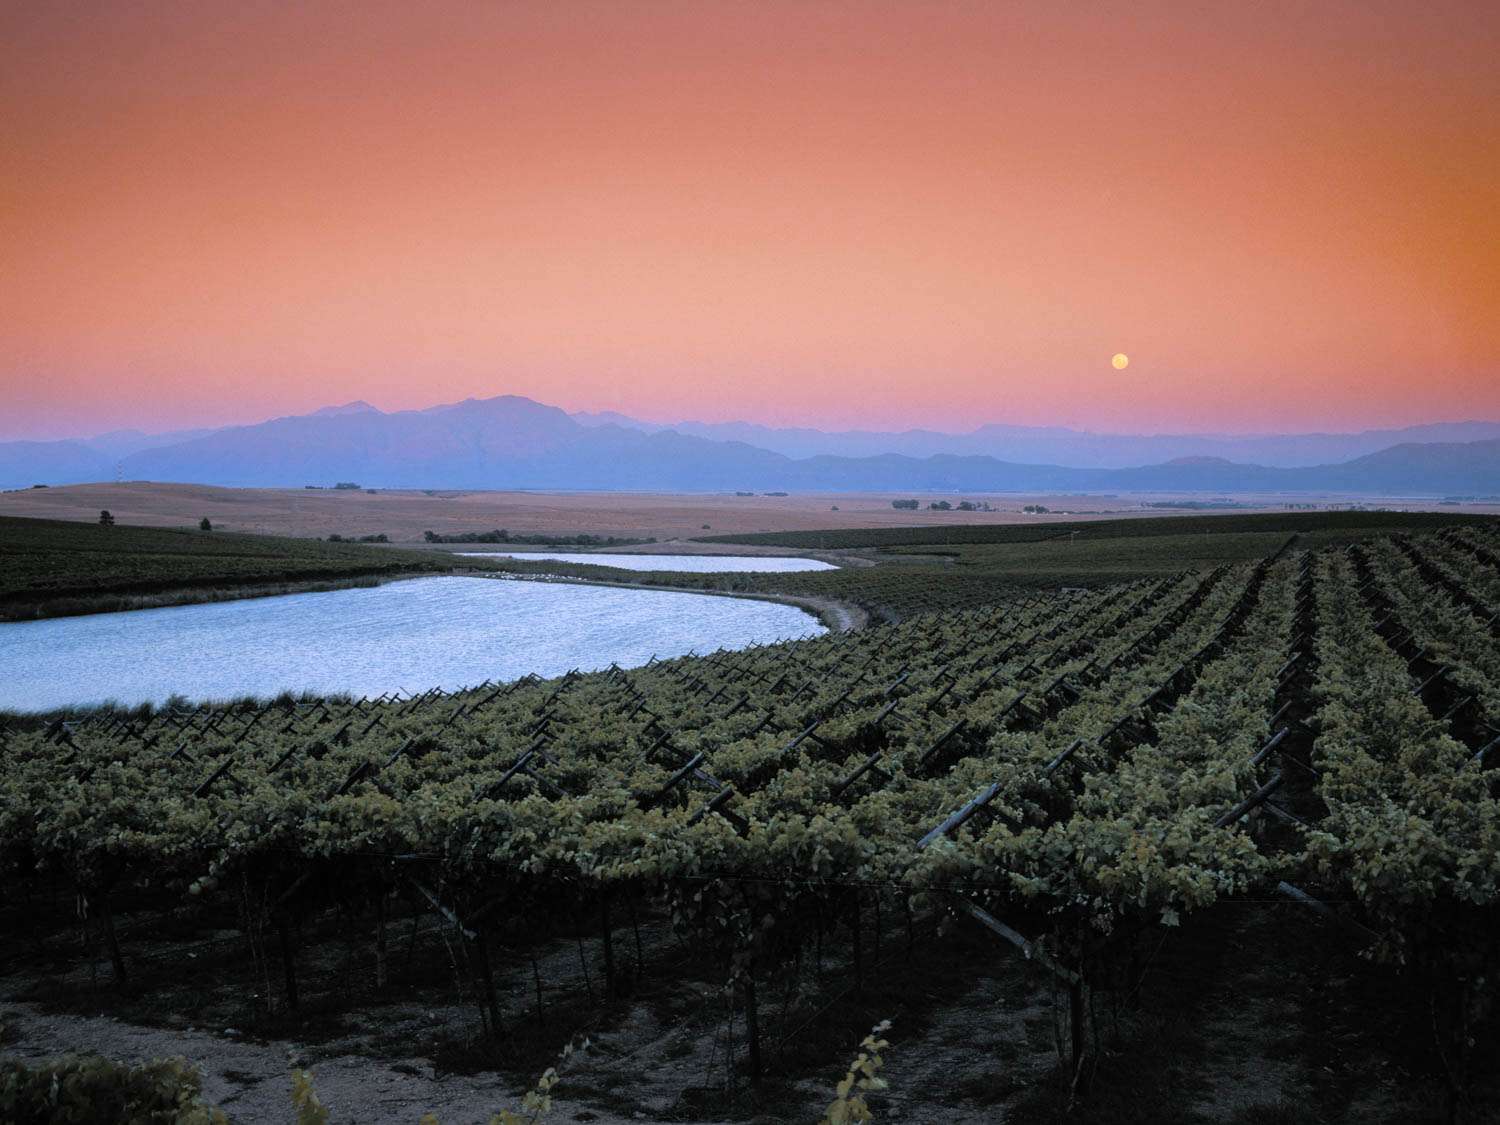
pixel 100 902
pixel 752 1025
pixel 288 964
pixel 611 981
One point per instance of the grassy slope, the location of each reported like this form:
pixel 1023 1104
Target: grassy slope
pixel 44 560
pixel 976 534
pixel 932 568
pixel 53 566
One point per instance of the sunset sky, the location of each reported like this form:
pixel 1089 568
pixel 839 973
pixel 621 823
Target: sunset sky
pixel 832 214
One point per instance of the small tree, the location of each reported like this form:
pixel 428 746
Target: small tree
pixel 205 524
pixel 105 519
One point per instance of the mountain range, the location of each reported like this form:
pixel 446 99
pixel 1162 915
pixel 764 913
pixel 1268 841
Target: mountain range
pixel 514 442
pixel 1057 445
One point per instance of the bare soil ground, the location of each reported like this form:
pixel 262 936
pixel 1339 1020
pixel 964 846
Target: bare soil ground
pixel 1248 1016
pixel 405 515
pixel 974 1024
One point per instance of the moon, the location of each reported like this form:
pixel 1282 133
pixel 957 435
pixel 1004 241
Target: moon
pixel 1120 361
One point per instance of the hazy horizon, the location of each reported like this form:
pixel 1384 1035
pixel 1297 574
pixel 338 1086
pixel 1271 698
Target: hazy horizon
pixel 83 433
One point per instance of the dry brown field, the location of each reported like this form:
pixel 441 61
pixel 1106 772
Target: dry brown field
pixel 404 515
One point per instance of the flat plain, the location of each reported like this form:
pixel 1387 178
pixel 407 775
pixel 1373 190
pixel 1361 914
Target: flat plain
pixel 405 515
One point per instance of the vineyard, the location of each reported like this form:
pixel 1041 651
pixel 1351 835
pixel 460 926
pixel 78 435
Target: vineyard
pixel 931 568
pixel 1072 778
pixel 937 533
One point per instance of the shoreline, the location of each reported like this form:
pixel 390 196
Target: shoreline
pixel 90 605
pixel 842 558
pixel 834 615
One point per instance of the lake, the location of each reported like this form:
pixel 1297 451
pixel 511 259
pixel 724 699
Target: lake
pixel 408 636
pixel 698 564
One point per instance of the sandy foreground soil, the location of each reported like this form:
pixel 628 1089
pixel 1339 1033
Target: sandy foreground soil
pixel 251 1080
pixel 405 515
pixel 658 1056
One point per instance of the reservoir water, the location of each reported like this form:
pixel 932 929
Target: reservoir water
pixel 698 564
pixel 403 636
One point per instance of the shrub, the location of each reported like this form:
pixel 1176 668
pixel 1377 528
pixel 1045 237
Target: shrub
pixel 90 1088
pixel 105 519
pixel 205 524
pixel 910 505
pixel 863 1077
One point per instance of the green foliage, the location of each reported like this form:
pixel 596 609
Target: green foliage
pixel 48 560
pixel 500 535
pixel 750 791
pixel 849 1103
pixel 1283 523
pixel 1413 828
pixel 87 1088
pixel 942 566
pixel 351 781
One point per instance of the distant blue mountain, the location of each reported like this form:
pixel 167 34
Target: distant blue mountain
pixel 1056 445
pixel 24 463
pixel 514 442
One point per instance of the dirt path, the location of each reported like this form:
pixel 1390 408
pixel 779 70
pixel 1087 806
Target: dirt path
pixel 251 1081
pixel 1251 1020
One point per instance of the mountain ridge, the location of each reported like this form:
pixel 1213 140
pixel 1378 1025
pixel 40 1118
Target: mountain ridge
pixel 510 441
pixel 1075 448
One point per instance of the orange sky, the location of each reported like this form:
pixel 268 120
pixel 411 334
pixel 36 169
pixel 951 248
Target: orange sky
pixel 805 213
